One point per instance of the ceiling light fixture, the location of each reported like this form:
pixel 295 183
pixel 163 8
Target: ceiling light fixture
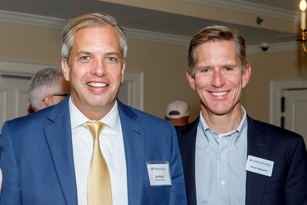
pixel 303 38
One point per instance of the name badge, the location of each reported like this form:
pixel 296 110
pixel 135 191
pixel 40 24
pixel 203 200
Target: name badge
pixel 259 165
pixel 159 173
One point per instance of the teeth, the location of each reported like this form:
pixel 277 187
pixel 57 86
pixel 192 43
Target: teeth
pixel 219 94
pixel 97 84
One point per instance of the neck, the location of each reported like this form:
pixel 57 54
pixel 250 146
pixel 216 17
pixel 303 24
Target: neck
pixel 223 123
pixel 93 113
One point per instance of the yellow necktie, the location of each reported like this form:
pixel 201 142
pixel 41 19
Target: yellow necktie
pixel 98 181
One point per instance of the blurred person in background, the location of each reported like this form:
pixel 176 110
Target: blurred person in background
pixel 48 87
pixel 177 113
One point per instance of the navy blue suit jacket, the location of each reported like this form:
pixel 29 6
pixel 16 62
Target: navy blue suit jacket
pixel 288 183
pixel 38 166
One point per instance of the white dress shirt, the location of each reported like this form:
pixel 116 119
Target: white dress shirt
pixel 112 148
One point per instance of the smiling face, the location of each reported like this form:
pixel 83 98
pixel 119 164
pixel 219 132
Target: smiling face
pixel 96 70
pixel 218 79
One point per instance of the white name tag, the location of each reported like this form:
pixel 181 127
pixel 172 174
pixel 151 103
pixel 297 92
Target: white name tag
pixel 259 165
pixel 159 174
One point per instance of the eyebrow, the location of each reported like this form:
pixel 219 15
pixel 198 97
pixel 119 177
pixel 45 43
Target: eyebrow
pixel 223 66
pixel 89 53
pixel 203 67
pixel 114 53
pixel 83 52
pixel 231 66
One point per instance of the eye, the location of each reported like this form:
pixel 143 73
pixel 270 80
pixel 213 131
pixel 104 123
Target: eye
pixel 111 58
pixel 228 69
pixel 85 57
pixel 205 70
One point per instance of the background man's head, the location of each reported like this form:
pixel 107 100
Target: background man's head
pixel 47 88
pixel 214 34
pixel 94 50
pixel 177 113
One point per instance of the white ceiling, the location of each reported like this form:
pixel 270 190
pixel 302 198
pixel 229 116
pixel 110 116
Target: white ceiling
pixel 152 20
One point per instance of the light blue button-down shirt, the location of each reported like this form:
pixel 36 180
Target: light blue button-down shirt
pixel 220 162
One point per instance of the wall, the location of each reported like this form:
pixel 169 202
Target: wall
pixel 265 67
pixel 30 43
pixel 163 64
pixel 165 81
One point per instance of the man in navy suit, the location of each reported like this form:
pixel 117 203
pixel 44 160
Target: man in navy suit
pixel 45 157
pixel 229 158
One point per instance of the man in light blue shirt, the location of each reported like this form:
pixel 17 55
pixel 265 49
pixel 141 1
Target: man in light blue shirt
pixel 228 157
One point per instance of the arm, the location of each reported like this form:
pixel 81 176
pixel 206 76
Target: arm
pixel 177 194
pixel 11 193
pixel 296 182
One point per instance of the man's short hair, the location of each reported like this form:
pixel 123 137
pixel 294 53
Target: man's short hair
pixel 91 20
pixel 214 34
pixel 43 79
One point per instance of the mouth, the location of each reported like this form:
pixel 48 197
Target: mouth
pixel 219 93
pixel 97 85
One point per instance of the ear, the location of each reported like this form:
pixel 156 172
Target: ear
pixel 48 100
pixel 123 70
pixel 246 75
pixel 190 79
pixel 65 68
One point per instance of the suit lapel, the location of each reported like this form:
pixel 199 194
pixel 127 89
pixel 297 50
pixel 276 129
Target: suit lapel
pixel 187 145
pixel 134 142
pixel 258 146
pixel 58 136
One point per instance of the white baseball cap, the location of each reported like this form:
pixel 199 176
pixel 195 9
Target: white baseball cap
pixel 178 106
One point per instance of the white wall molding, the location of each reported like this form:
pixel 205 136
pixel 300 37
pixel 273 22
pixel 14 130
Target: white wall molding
pixel 247 7
pixel 136 80
pixel 42 21
pixel 157 37
pixel 23 68
pixel 274 47
pixel 32 20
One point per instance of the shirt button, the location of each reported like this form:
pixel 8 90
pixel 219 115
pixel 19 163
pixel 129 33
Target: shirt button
pixel 222 182
pixel 222 155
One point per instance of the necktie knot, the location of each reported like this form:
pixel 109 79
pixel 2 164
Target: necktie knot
pixel 95 128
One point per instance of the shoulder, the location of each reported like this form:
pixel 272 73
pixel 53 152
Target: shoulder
pixel 187 135
pixel 191 127
pixel 33 123
pixel 34 118
pixel 277 135
pixel 273 130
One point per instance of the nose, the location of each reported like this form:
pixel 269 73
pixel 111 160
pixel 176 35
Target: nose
pixel 218 80
pixel 99 68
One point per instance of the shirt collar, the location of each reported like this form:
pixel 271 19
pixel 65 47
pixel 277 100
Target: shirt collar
pixel 77 118
pixel 205 128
